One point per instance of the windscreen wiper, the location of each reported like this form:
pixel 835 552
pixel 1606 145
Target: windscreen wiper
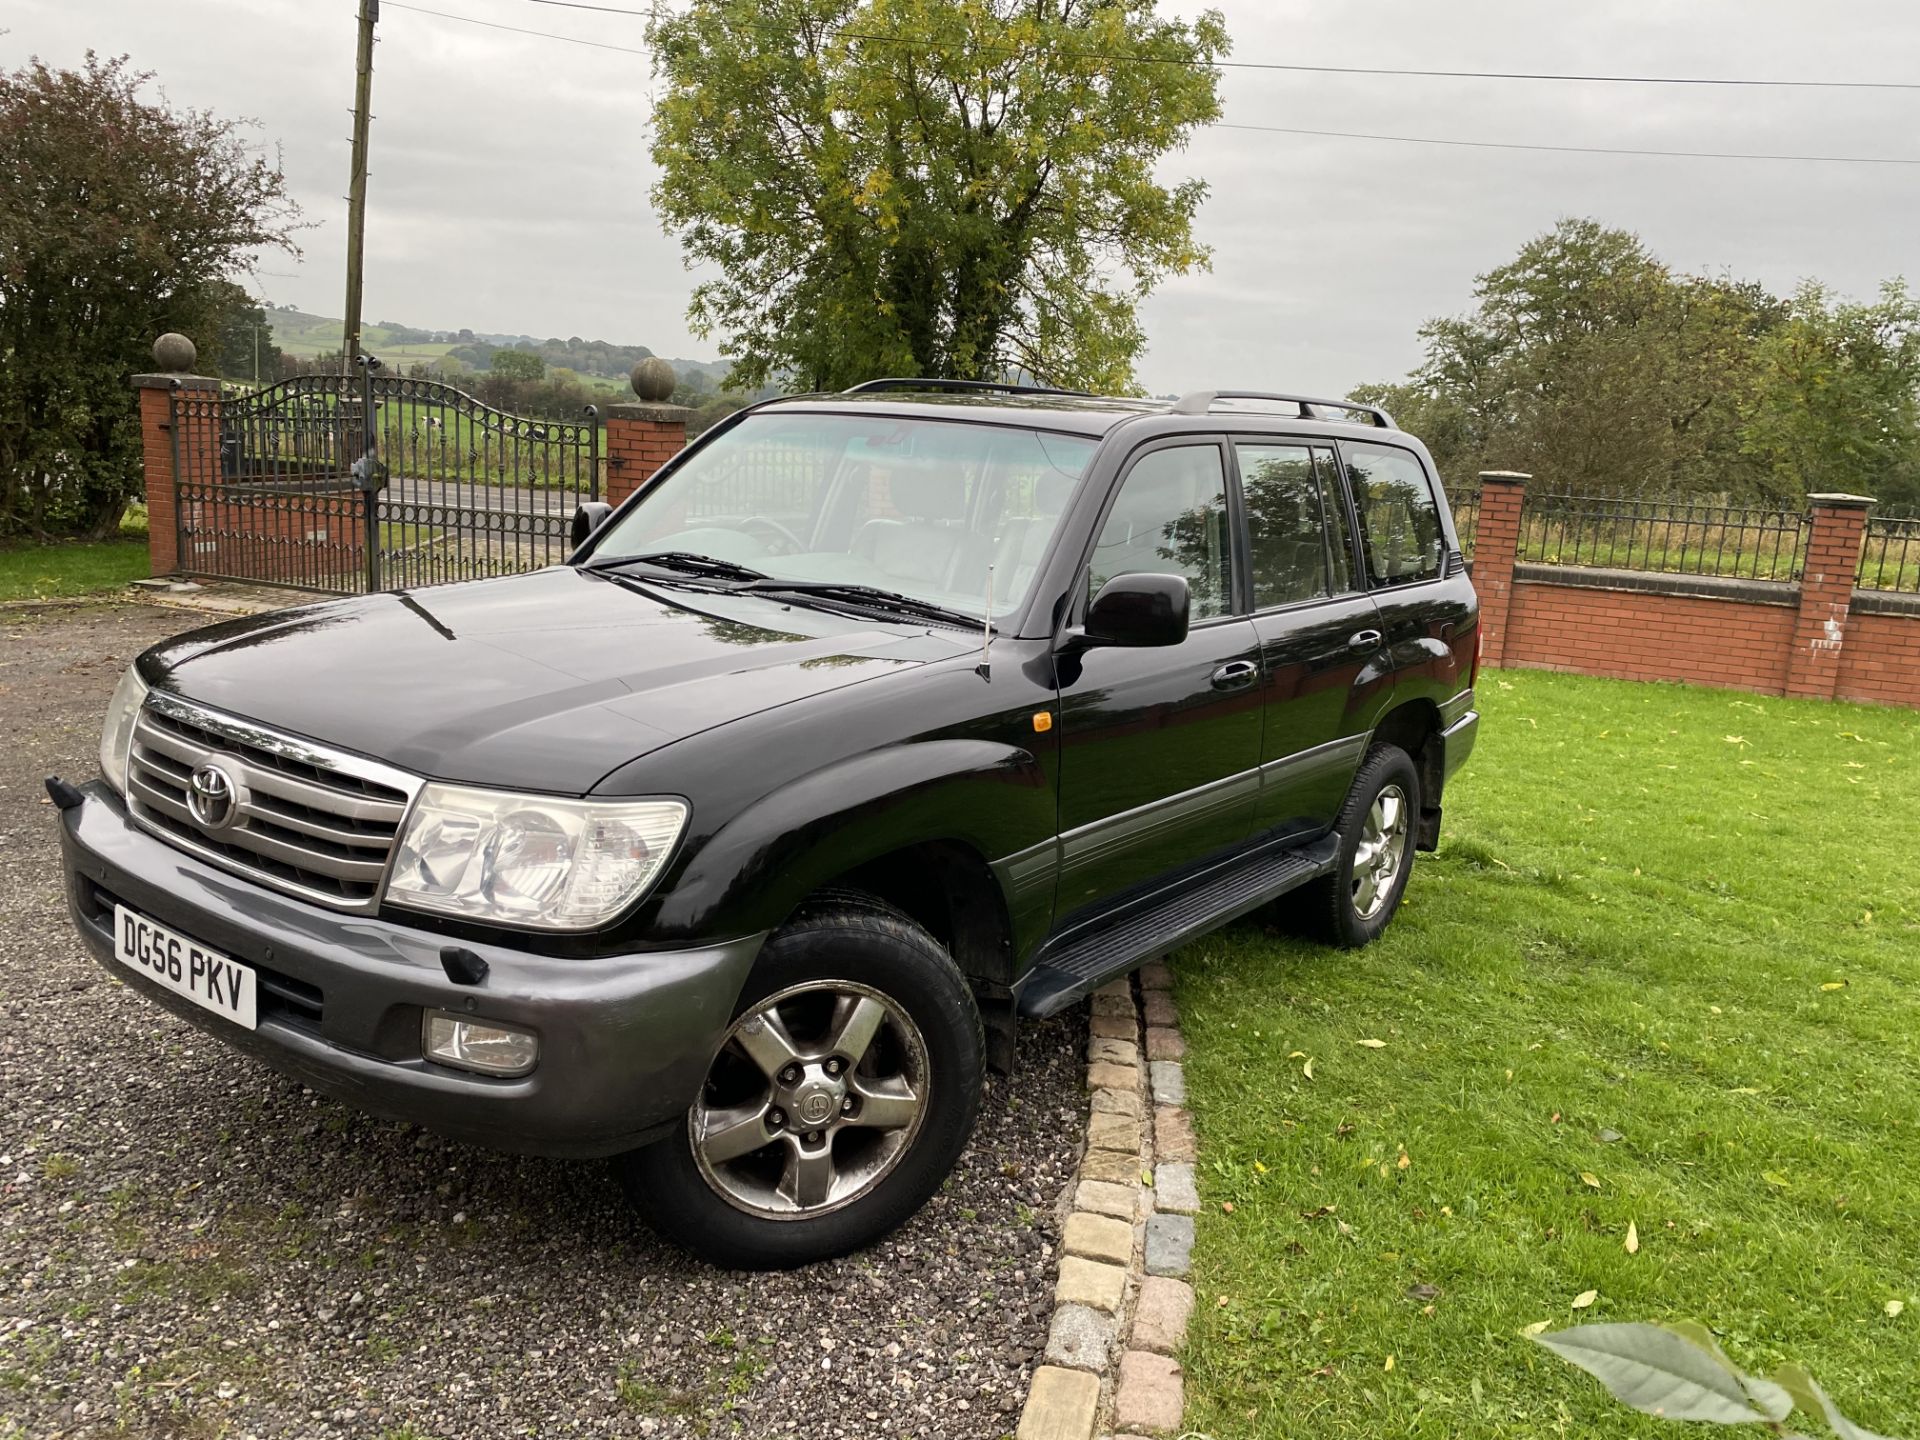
pixel 685 561
pixel 868 597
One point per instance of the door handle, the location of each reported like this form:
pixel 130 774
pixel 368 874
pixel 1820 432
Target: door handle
pixel 1365 640
pixel 1234 674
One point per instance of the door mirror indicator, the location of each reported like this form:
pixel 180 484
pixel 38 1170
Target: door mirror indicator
pixel 587 519
pixel 1138 611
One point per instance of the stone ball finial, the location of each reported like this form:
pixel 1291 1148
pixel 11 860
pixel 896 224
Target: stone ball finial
pixel 174 353
pixel 653 380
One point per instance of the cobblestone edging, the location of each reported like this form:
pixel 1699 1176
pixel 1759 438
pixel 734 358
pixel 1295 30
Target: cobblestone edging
pixel 1122 1301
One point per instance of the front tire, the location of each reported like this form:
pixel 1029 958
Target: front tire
pixel 841 1096
pixel 1354 904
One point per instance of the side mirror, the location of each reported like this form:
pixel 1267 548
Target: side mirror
pixel 1138 610
pixel 587 519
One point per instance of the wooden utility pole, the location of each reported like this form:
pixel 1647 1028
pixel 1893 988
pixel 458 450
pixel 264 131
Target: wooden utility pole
pixel 357 190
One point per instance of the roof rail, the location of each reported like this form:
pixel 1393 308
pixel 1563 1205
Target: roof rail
pixel 1200 402
pixel 906 382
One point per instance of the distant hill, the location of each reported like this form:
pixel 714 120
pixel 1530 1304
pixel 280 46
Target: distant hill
pixel 600 363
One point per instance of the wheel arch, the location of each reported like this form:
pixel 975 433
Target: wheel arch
pixel 1414 726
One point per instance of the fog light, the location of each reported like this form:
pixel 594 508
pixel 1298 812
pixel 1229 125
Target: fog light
pixel 482 1045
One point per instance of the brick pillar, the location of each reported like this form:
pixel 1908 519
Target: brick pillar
pixel 1496 543
pixel 199 454
pixel 641 437
pixel 1836 524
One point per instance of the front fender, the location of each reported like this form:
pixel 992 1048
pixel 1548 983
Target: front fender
pixel 750 875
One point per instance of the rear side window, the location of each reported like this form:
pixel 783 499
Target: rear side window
pixel 1170 518
pixel 1399 522
pixel 1296 527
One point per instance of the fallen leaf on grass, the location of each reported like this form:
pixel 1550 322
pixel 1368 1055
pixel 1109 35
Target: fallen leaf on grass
pixel 1226 1207
pixel 1589 1179
pixel 1894 1308
pixel 1307 1069
pixel 1405 1160
pixel 1834 985
pixel 1633 1238
pixel 1425 1292
pixel 1585 1298
pixel 1608 1137
pixel 1775 1178
pixel 1539 1327
pixel 1372 1044
pixel 1389 1362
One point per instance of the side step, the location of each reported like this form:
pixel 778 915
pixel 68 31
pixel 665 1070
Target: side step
pixel 1079 964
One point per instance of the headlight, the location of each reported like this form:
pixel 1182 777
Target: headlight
pixel 117 734
pixel 529 860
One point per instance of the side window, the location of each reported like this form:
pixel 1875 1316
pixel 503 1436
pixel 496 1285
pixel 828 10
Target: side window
pixel 1399 523
pixel 1170 518
pixel 1296 527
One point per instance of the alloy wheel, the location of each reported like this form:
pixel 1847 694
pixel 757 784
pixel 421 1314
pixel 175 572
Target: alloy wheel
pixel 1381 852
pixel 816 1094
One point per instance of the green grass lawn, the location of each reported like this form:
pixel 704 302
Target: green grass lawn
pixel 1664 974
pixel 67 568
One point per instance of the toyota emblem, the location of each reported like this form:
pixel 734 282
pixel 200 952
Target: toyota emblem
pixel 213 798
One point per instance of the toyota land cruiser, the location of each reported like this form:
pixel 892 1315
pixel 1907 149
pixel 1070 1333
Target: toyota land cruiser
pixel 736 847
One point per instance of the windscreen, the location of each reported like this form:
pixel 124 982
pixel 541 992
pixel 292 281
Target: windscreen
pixel 922 507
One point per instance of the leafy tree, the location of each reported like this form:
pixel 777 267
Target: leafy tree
pixel 119 218
pixel 240 335
pixel 1597 368
pixel 954 188
pixel 1838 403
pixel 518 365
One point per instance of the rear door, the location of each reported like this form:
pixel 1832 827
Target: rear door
pixel 1427 607
pixel 1160 750
pixel 1321 644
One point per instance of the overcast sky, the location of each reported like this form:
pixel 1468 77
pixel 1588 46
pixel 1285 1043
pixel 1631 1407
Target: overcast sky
pixel 510 176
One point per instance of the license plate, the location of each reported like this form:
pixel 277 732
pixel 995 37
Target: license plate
pixel 210 980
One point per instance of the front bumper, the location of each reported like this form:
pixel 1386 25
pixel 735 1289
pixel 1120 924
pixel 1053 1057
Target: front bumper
pixel 625 1041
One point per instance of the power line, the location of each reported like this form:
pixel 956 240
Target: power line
pixel 515 29
pixel 1574 149
pixel 1265 129
pixel 1126 57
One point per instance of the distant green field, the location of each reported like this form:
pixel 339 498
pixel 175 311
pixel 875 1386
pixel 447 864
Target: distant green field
pixel 298 333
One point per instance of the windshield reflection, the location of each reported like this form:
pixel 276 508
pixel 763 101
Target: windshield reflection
pixel 920 507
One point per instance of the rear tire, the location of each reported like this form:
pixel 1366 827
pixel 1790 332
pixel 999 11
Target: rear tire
pixel 841 1097
pixel 1353 905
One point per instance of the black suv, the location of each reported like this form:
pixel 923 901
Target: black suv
pixel 736 847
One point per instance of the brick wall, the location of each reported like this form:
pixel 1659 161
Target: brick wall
pixel 1817 637
pixel 1880 657
pixel 640 439
pixel 200 446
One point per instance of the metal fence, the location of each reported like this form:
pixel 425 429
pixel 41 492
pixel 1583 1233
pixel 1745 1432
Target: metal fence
pixel 373 482
pixel 1678 537
pixel 1890 555
pixel 1466 516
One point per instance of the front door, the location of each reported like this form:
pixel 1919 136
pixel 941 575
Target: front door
pixel 1160 750
pixel 1321 645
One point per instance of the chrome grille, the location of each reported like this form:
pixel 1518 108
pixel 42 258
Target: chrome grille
pixel 311 821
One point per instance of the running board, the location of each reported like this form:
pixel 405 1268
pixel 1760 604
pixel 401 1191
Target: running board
pixel 1080 964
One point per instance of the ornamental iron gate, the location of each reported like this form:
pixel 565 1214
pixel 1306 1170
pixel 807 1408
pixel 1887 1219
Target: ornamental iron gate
pixel 353 484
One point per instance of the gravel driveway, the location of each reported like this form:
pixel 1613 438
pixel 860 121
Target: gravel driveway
pixel 192 1246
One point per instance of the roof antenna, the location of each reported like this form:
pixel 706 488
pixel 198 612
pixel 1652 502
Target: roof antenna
pixel 985 668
